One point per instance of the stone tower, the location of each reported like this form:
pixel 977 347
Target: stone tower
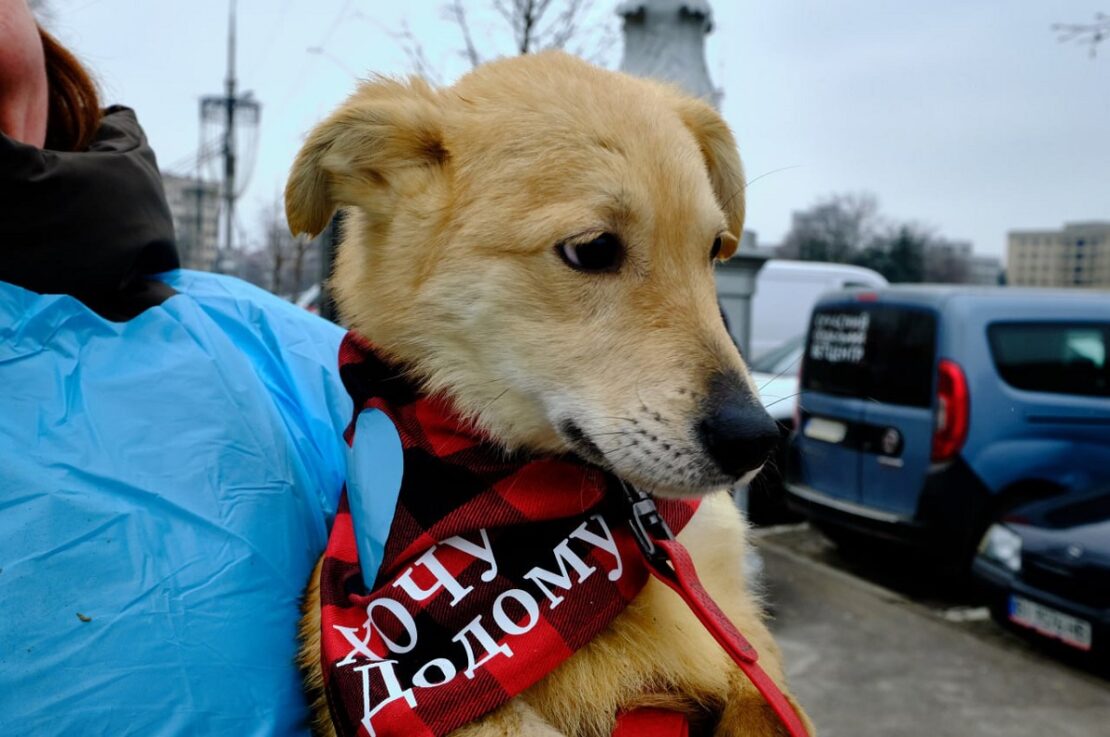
pixel 665 39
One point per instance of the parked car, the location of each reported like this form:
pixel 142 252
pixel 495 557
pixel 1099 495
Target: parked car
pixel 775 374
pixel 1046 570
pixel 926 413
pixel 786 291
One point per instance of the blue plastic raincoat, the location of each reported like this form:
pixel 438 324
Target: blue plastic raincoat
pixel 165 489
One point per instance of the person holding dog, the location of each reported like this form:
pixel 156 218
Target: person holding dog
pixel 170 442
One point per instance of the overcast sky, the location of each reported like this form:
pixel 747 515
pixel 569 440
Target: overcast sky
pixel 965 115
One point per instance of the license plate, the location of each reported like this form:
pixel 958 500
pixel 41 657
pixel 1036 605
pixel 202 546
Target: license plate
pixel 1051 623
pixel 828 431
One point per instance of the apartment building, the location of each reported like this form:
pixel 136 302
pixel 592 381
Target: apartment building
pixel 1076 256
pixel 195 205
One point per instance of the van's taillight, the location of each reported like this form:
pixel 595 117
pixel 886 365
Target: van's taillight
pixel 867 297
pixel 953 411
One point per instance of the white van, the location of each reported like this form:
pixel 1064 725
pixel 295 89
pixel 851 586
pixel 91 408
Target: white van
pixel 786 291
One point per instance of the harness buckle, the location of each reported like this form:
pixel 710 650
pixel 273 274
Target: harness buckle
pixel 646 523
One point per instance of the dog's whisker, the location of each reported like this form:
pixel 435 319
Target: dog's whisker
pixel 490 381
pixel 615 417
pixel 619 449
pixel 624 428
pixel 634 443
pixel 780 374
pixel 753 180
pixel 489 404
pixel 603 434
pixel 783 399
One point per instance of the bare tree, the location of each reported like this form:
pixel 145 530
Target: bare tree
pixel 1087 34
pixel 283 263
pixel 946 261
pixel 302 247
pixel 455 12
pixel 849 228
pixel 533 25
pixel 418 58
pixel 834 229
pixel 277 244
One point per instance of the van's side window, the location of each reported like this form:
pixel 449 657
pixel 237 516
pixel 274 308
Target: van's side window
pixel 1062 358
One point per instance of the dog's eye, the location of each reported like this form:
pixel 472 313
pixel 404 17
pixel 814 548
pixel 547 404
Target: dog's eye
pixel 602 254
pixel 716 250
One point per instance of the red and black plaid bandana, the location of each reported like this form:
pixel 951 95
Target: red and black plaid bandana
pixel 496 569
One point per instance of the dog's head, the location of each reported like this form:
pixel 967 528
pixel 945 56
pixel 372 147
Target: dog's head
pixel 537 242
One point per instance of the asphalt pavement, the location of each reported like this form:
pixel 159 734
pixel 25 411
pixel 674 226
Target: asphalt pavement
pixel 867 661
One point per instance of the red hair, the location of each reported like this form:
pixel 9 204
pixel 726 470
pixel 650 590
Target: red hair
pixel 73 114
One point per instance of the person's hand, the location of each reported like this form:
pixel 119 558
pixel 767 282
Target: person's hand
pixel 23 85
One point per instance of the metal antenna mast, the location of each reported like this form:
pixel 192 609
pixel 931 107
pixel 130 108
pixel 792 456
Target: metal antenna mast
pixel 233 109
pixel 229 132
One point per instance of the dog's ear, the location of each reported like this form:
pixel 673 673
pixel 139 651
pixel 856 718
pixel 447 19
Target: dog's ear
pixel 726 173
pixel 385 130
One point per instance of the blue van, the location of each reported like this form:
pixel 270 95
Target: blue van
pixel 925 413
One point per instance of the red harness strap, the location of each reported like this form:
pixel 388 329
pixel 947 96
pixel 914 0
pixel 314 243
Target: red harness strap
pixel 670 562
pixel 684 580
pixel 650 722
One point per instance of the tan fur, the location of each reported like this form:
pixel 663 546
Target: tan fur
pixel 456 200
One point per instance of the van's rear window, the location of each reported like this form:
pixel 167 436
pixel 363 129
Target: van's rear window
pixel 880 352
pixel 1061 358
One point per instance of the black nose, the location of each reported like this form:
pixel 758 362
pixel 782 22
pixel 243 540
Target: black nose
pixel 736 431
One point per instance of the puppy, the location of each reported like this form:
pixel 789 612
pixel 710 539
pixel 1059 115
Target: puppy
pixel 537 244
